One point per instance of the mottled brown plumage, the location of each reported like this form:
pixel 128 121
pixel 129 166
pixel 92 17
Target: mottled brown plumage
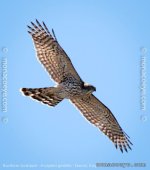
pixel 71 86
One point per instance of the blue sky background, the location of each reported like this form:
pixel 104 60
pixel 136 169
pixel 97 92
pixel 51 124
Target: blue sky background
pixel 103 40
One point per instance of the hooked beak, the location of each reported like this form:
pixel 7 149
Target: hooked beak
pixel 94 88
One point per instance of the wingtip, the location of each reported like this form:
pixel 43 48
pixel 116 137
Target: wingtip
pixel 30 28
pixel 30 32
pixel 32 23
pixel 123 148
pixel 53 32
pixel 130 142
pixel 38 23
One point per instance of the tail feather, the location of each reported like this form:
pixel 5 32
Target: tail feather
pixel 48 95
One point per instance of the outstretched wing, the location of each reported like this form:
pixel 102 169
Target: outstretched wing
pixel 50 53
pixel 99 115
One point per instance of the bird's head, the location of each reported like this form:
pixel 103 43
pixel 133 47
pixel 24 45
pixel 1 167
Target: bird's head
pixel 89 88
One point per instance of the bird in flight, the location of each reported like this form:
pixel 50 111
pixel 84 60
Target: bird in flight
pixel 70 86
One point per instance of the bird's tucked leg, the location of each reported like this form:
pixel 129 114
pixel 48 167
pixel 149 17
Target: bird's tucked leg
pixel 48 95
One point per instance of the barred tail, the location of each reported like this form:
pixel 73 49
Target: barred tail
pixel 48 95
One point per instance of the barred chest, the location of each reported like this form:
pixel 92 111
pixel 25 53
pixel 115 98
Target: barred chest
pixel 71 87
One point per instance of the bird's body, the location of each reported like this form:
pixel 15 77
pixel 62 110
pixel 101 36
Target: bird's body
pixel 71 86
